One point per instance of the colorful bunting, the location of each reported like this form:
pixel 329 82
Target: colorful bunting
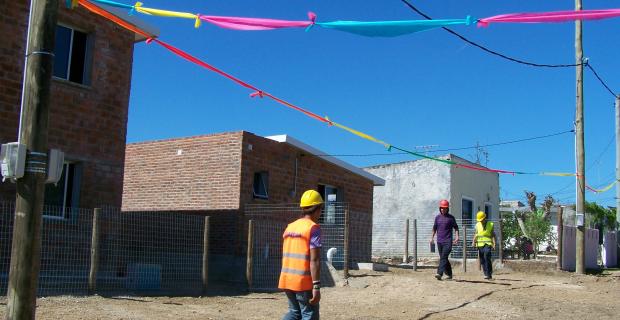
pixel 391 28
pixel 546 17
pixel 255 23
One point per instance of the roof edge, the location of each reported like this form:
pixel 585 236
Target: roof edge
pixel 296 143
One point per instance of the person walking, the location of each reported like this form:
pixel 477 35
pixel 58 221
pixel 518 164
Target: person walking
pixel 484 240
pixel 443 226
pixel 300 277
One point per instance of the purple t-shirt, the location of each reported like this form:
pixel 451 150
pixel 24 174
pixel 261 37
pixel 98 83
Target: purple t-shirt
pixel 443 226
pixel 315 237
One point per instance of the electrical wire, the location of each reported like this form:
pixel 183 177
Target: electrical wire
pixel 453 149
pixel 412 7
pixel 601 80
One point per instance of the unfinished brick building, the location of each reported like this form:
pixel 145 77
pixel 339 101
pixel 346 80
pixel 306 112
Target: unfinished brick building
pixel 220 175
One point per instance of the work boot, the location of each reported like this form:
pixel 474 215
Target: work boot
pixel 438 276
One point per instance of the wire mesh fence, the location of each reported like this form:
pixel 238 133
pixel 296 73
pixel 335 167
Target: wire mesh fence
pixel 150 253
pixel 269 223
pixel 401 240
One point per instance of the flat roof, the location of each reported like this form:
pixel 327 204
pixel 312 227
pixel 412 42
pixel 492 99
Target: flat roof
pixel 296 143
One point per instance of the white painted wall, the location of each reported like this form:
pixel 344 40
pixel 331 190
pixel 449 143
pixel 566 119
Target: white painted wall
pixel 413 190
pixel 480 186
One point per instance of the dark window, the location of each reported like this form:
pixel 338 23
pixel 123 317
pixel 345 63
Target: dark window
pixel 468 211
pixel 261 185
pixel 488 210
pixel 61 198
pixel 71 55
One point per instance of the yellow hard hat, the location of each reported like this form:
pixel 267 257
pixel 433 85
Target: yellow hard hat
pixel 310 198
pixel 480 216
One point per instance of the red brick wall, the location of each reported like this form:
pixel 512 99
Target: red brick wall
pixel 88 123
pixel 204 176
pixel 279 160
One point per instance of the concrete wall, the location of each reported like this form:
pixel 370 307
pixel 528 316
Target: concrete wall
pixel 480 186
pixel 412 190
pixel 569 250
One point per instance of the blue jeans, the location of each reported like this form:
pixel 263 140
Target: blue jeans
pixel 486 262
pixel 299 307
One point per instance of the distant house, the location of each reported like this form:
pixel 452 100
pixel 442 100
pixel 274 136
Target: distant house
pixel 89 101
pixel 221 175
pixel 413 190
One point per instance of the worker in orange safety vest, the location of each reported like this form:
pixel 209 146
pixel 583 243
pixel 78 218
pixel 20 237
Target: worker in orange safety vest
pixel 300 277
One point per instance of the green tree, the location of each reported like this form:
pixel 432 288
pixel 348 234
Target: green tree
pixel 538 228
pixel 600 217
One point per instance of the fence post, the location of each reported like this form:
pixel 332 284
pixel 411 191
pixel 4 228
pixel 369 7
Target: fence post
pixel 415 244
pixel 560 235
pixel 347 226
pixel 500 235
pixel 94 253
pixel 250 261
pixel 205 256
pixel 464 247
pixel 406 255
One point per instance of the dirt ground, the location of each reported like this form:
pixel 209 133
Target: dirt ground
pixel 397 294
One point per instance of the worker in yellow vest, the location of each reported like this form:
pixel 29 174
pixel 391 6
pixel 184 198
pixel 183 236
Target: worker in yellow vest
pixel 484 240
pixel 300 277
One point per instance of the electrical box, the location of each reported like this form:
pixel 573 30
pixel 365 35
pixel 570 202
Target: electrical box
pixel 12 160
pixel 579 220
pixel 55 164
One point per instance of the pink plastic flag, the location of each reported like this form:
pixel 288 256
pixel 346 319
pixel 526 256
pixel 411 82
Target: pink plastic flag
pixel 545 17
pixel 248 24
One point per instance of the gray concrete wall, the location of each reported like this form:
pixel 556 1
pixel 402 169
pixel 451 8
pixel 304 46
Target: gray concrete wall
pixel 412 191
pixel 480 186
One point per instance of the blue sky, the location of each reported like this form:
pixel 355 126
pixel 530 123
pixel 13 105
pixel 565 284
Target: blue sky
pixel 428 88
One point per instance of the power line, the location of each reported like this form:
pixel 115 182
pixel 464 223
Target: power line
pixel 584 63
pixel 492 51
pixel 601 80
pixel 453 149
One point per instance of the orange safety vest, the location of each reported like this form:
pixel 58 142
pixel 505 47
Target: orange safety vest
pixel 295 274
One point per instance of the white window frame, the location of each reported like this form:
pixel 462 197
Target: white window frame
pixel 87 61
pixel 255 195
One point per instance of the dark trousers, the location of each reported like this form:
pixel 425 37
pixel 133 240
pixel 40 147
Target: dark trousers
pixel 485 260
pixel 444 264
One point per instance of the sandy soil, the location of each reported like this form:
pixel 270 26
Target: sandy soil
pixel 397 294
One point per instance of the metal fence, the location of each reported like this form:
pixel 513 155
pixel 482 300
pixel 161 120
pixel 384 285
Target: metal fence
pixel 150 253
pixel 397 240
pixel 268 224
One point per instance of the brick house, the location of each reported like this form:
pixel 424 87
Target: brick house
pixel 88 110
pixel 88 103
pixel 221 174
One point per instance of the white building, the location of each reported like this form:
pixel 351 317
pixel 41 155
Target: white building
pixel 413 190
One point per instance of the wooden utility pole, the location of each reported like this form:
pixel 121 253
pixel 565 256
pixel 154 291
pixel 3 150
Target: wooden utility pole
pixel 249 266
pixel 406 255
pixel 26 247
pixel 94 252
pixel 617 157
pixel 580 149
pixel 415 244
pixel 347 244
pixel 560 236
pixel 205 256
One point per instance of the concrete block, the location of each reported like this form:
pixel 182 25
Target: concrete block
pixel 372 266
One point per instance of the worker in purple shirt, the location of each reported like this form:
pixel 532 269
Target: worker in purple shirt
pixel 444 223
